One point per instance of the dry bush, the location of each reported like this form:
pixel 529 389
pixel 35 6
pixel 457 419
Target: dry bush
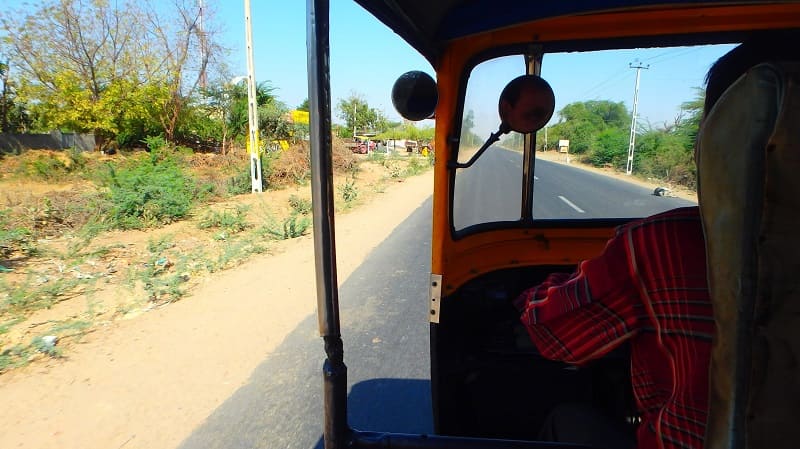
pixel 343 158
pixel 294 164
pixel 290 166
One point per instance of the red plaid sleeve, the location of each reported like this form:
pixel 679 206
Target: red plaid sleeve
pixel 582 316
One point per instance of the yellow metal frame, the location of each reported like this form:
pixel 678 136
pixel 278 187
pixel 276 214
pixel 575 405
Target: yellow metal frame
pixel 461 260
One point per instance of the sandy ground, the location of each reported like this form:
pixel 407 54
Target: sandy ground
pixel 148 382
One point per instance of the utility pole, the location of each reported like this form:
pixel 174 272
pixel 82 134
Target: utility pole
pixel 631 143
pixel 354 119
pixel 252 107
pixel 544 146
pixel 203 46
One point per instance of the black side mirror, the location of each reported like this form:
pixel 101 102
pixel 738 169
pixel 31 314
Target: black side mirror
pixel 414 95
pixel 526 104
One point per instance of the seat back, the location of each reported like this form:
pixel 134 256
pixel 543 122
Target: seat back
pixel 749 191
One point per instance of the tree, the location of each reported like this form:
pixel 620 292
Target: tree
pixel 611 148
pixel 304 106
pixel 229 103
pixel 103 66
pixel 407 131
pixel 693 110
pixel 601 114
pixel 468 137
pixel 69 54
pixel 5 97
pixel 359 116
pixel 183 50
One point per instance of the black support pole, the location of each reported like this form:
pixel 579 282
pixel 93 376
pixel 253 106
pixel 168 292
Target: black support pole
pixel 336 430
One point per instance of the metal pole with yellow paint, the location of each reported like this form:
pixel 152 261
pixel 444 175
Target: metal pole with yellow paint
pixel 253 147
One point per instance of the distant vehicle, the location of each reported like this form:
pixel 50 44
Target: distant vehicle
pixel 363 145
pixel 408 145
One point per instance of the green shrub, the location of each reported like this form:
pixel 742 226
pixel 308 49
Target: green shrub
pixel 293 226
pixel 155 143
pixel 150 193
pixel 349 191
pixel 13 239
pixel 232 221
pixel 610 149
pixel 77 160
pixel 241 182
pixel 416 166
pixel 44 167
pixel 299 205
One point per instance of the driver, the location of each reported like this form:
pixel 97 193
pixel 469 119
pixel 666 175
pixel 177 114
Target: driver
pixel 647 287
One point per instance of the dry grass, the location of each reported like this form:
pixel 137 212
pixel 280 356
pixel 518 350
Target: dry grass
pixel 70 270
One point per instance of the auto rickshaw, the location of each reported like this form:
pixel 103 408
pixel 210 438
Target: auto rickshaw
pixel 490 389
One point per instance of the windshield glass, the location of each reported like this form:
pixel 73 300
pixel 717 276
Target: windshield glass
pixel 588 164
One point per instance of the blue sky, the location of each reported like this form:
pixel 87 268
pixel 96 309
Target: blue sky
pixel 366 58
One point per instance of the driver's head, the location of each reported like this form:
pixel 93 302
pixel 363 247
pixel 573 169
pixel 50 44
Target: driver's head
pixel 526 104
pixel 756 49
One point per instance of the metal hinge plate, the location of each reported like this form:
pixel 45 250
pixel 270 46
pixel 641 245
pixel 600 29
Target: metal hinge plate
pixel 436 297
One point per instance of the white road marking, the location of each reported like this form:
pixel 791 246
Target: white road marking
pixel 571 204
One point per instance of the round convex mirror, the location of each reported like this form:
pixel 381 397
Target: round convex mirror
pixel 414 95
pixel 526 104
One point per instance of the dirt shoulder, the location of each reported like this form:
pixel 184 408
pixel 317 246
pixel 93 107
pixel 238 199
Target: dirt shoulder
pixel 148 382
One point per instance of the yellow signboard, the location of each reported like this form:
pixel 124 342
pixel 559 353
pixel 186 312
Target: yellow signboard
pixel 299 116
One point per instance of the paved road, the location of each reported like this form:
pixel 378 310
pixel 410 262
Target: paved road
pixel 384 317
pixel 490 191
pixel 385 333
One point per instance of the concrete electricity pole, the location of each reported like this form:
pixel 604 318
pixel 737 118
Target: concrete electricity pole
pixel 252 107
pixel 203 46
pixel 632 141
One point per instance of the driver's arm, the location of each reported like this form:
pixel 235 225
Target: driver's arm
pixel 581 316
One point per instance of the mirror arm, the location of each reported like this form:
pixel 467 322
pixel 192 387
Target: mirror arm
pixel 494 137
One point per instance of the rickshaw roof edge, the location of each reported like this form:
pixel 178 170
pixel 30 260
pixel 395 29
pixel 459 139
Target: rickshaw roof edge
pixel 428 26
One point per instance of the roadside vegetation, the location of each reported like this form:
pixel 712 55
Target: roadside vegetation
pixel 88 237
pixel 599 131
pixel 117 235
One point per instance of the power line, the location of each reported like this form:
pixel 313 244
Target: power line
pixel 613 77
pixel 668 55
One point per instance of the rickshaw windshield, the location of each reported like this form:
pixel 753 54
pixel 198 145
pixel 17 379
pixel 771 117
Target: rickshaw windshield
pixel 587 165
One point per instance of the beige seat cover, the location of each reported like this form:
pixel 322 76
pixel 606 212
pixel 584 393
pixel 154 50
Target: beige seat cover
pixel 749 173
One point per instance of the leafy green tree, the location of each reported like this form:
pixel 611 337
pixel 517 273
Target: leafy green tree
pixel 407 131
pixel 5 97
pixel 582 123
pixel 580 133
pixel 183 49
pixel 272 121
pixel 304 106
pixel 104 66
pixel 358 115
pixel 611 148
pixel 68 54
pixel 468 136
pixel 693 110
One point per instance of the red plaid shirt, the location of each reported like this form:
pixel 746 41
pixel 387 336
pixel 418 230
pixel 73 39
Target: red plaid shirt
pixel 648 287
